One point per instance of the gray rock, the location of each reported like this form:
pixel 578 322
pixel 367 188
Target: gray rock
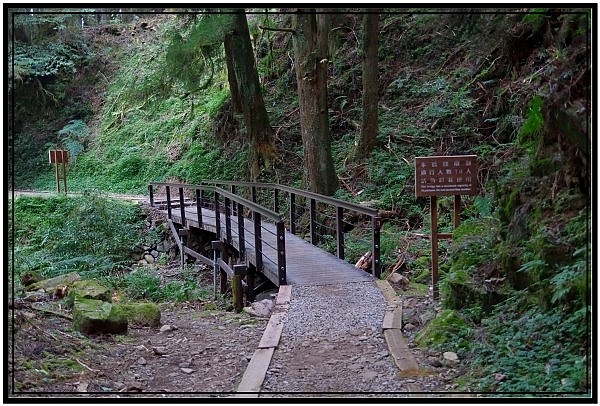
pixel 166 328
pixel 159 350
pixel 50 285
pixel 261 308
pixel 450 356
pixel 149 258
pixel 450 359
pixel 187 370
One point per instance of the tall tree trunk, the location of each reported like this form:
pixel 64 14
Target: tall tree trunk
pixel 370 100
pixel 310 43
pixel 236 101
pixel 259 132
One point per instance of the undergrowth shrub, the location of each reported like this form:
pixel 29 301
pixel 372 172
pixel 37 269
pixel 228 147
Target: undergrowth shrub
pixel 524 350
pixel 89 234
pixel 145 284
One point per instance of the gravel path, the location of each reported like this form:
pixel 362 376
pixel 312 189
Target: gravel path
pixel 332 343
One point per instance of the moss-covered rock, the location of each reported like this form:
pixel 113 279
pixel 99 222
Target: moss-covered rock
pixel 441 329
pixel 88 289
pixel 141 314
pixel 51 284
pixel 98 317
pixel 416 289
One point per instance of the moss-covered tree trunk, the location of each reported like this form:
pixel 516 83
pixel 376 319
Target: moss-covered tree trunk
pixel 370 99
pixel 310 43
pixel 259 133
pixel 236 101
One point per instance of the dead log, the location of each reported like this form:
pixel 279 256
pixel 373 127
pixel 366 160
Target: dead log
pixel 364 262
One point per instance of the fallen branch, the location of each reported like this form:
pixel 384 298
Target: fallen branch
pixel 397 266
pixel 364 262
pixel 59 314
pixel 45 332
pixel 88 368
pixel 277 29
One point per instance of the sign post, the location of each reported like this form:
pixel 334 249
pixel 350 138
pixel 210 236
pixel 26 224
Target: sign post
pixel 444 176
pixel 59 156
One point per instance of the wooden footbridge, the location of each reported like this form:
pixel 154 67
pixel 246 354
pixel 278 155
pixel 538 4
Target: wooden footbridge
pixel 266 230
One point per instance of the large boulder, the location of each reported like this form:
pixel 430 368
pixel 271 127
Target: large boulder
pixel 92 316
pixel 141 314
pixel 50 285
pixel 88 289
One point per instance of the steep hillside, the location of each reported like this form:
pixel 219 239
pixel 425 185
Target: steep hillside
pixel 513 88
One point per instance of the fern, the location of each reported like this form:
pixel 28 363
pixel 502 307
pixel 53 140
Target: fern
pixel 73 136
pixel 529 135
pixel 570 278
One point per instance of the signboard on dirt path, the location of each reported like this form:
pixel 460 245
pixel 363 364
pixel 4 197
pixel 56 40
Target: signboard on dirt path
pixel 59 156
pixel 446 175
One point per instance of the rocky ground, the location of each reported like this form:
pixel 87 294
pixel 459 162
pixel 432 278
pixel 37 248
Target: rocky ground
pixel 194 352
pixel 335 348
pixel 200 351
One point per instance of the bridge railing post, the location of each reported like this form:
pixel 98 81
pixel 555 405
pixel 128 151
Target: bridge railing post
pixel 281 265
pixel 292 213
pixel 241 240
pixel 217 216
pixel 376 263
pixel 232 188
pixel 340 231
pixel 181 207
pixel 258 240
pixel 199 206
pixel 227 220
pixel 151 192
pixel 313 222
pixel 276 201
pixel 168 191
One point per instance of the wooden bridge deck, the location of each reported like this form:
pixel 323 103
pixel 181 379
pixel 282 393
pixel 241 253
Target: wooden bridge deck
pixel 306 264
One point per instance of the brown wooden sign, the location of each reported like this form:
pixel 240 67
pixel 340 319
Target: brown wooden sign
pixel 446 175
pixel 58 156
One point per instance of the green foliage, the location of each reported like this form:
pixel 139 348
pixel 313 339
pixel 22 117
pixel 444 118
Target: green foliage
pixel 73 136
pixel 89 234
pixel 536 18
pixel 48 60
pixel 533 351
pixel 572 278
pixel 192 59
pixel 531 131
pixel 155 128
pixel 448 332
pixel 200 163
pixel 144 284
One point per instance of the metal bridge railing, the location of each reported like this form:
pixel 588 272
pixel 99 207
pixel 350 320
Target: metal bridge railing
pixel 230 211
pixel 322 220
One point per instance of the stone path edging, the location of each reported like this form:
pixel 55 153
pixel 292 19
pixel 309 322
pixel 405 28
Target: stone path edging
pixel 256 370
pixel 392 331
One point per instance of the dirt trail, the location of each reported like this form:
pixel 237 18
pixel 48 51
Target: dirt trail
pixel 43 193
